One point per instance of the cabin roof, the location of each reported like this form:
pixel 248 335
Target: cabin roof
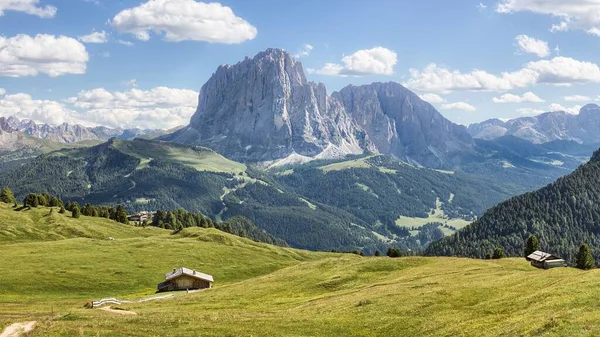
pixel 540 256
pixel 189 272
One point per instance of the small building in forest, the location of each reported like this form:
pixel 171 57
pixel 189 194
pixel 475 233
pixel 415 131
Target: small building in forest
pixel 185 279
pixel 543 260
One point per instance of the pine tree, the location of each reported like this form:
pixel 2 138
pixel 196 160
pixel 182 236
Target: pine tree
pixel 7 196
pixel 532 245
pixel 121 215
pixel 62 210
pixel 585 260
pixel 377 253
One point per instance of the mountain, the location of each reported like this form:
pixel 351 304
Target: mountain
pixel 399 123
pixel 264 109
pixel 557 125
pixel 562 215
pixel 67 133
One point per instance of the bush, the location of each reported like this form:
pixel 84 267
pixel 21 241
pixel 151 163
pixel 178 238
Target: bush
pixel 498 253
pixel 394 252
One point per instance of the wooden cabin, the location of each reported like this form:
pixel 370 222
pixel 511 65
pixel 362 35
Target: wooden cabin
pixel 543 260
pixel 185 279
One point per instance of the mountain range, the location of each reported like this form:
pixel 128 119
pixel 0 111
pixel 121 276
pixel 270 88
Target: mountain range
pixel 557 125
pixel 69 133
pixel 264 109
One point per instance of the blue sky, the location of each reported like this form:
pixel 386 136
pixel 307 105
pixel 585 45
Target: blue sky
pixel 464 56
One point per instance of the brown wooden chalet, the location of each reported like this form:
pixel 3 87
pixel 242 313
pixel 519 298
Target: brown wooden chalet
pixel 185 279
pixel 543 260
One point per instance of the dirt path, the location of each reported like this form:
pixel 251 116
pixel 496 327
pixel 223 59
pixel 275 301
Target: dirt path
pixel 116 311
pixel 16 329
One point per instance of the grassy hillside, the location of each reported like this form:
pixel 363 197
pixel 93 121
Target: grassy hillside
pixel 263 290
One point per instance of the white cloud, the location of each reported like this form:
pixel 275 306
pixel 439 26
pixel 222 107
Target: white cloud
pixel 125 43
pixel 374 61
pixel 577 98
pixel 557 71
pixel 432 98
pixel 459 106
pixel 530 111
pixel 23 55
pixel 511 98
pixel 95 37
pixel 160 107
pixel 181 20
pixel 530 45
pixel 306 50
pixel 481 7
pixel 2 91
pixel 27 6
pixel 574 110
pixel 572 14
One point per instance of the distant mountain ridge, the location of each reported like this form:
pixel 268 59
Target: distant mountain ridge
pixel 68 133
pixel 557 125
pixel 264 109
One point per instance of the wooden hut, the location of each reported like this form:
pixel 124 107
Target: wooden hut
pixel 543 260
pixel 185 279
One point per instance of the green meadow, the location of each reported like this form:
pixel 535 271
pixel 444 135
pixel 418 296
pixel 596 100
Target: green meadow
pixel 51 265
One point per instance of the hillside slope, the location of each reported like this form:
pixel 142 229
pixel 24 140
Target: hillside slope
pixel 562 215
pixel 264 290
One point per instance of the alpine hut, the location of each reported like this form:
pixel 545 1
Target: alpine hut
pixel 185 279
pixel 543 260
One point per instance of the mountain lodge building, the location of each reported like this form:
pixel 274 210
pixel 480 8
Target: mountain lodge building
pixel 185 279
pixel 543 260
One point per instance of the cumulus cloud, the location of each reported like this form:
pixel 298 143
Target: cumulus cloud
pixel 458 106
pixel 577 98
pixel 305 51
pixel 375 61
pixel 574 110
pixel 571 14
pixel 2 91
pixel 27 6
pixel 23 55
pixel 560 71
pixel 530 45
pixel 181 20
pixel 159 107
pixel 95 37
pixel 511 98
pixel 432 98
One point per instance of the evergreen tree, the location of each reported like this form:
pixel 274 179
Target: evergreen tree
pixel 7 196
pixel 75 210
pixel 498 253
pixel 377 253
pixel 121 215
pixel 41 200
pixel 585 260
pixel 394 252
pixel 532 245
pixel 62 210
pixel 31 200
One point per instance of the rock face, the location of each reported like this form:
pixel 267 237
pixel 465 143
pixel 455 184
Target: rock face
pixel 264 109
pixel 67 133
pixel 399 123
pixel 549 126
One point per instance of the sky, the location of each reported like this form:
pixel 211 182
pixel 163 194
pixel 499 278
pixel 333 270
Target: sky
pixel 141 63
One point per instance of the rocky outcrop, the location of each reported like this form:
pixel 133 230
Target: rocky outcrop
pixel 399 123
pixel 264 109
pixel 549 126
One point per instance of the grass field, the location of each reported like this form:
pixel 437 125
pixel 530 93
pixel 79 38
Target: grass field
pixel 436 215
pixel 264 290
pixel 206 160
